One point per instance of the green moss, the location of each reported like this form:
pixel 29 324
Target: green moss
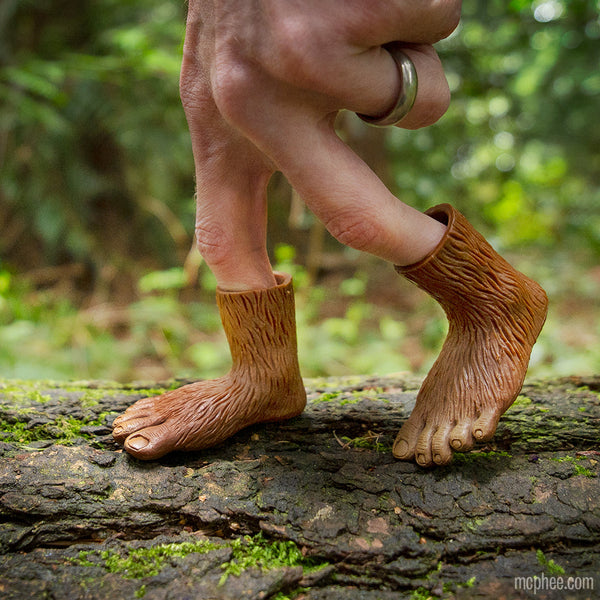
pixel 247 552
pixel 422 593
pixel 327 397
pixel 549 565
pixel 522 401
pixel 480 456
pixel 20 391
pixel 370 441
pixel 256 552
pixel 352 396
pixel 141 562
pixel 472 525
pixel 578 469
pixel 291 595
pixel 63 430
pixel 450 587
pixel 23 393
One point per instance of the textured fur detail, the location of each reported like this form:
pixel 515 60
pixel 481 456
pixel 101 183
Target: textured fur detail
pixel 495 314
pixel 264 382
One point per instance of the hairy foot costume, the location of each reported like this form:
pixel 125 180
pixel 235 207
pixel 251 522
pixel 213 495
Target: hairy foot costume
pixel 264 382
pixel 495 314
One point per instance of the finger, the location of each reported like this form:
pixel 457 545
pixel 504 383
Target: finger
pixel 383 21
pixel 231 177
pixel 370 82
pixel 354 22
pixel 345 194
pixel 321 47
pixel 433 92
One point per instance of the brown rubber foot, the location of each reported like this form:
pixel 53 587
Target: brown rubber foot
pixel 495 314
pixel 264 383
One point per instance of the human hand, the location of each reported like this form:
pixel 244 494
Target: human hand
pixel 261 84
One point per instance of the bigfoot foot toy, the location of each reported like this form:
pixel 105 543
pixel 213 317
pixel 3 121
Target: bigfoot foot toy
pixel 264 383
pixel 495 314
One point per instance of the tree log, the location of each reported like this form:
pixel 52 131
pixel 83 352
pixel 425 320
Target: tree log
pixel 312 508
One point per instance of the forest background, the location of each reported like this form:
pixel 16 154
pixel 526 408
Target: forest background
pixel 98 276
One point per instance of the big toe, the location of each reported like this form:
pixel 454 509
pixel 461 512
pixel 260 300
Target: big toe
pixel 406 440
pixel 151 442
pixel 485 426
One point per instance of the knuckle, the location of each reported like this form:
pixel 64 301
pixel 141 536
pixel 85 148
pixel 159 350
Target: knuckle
pixel 353 229
pixel 235 88
pixel 212 242
pixel 297 60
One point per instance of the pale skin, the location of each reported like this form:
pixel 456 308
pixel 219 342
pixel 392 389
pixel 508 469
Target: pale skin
pixel 261 84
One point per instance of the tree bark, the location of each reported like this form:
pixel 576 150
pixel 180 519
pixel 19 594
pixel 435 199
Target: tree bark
pixel 525 506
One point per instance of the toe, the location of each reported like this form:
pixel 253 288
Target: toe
pixel 485 426
pixel 440 445
pixel 423 454
pixel 151 442
pixel 461 438
pixel 124 427
pixel 142 408
pixel 406 440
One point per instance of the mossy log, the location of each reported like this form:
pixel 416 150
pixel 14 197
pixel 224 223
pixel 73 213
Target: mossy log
pixel 312 508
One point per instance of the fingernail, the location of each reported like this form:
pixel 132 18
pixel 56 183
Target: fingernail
pixel 138 442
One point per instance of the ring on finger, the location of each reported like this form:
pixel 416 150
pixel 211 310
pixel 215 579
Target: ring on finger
pixel 408 90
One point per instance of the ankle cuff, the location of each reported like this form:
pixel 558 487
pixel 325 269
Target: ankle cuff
pixel 445 214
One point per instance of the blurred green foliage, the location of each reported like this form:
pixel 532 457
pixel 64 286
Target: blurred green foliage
pixel 520 145
pixel 92 135
pixel 96 170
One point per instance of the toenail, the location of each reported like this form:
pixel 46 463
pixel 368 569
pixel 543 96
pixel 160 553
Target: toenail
pixel 421 459
pixel 478 433
pixel 118 430
pixel 437 458
pixel 456 444
pixel 138 442
pixel 401 448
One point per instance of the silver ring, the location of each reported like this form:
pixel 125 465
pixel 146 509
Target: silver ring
pixel 408 91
